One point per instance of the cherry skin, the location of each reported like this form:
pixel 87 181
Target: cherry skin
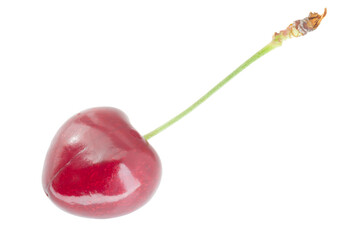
pixel 98 166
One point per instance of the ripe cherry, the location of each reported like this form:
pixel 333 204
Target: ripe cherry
pixel 99 166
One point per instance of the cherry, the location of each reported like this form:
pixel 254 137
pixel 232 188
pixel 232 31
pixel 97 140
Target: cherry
pixel 99 166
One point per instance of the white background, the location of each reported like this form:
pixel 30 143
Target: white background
pixel 272 155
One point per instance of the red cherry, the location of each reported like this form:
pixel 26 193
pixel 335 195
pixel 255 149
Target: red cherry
pixel 99 166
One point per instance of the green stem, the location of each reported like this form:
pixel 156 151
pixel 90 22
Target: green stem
pixel 272 45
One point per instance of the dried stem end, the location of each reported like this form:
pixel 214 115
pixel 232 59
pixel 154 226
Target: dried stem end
pixel 300 27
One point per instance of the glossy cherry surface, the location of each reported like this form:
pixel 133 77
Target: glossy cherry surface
pixel 99 166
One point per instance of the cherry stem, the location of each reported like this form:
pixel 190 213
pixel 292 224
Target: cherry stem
pixel 296 29
pixel 272 45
